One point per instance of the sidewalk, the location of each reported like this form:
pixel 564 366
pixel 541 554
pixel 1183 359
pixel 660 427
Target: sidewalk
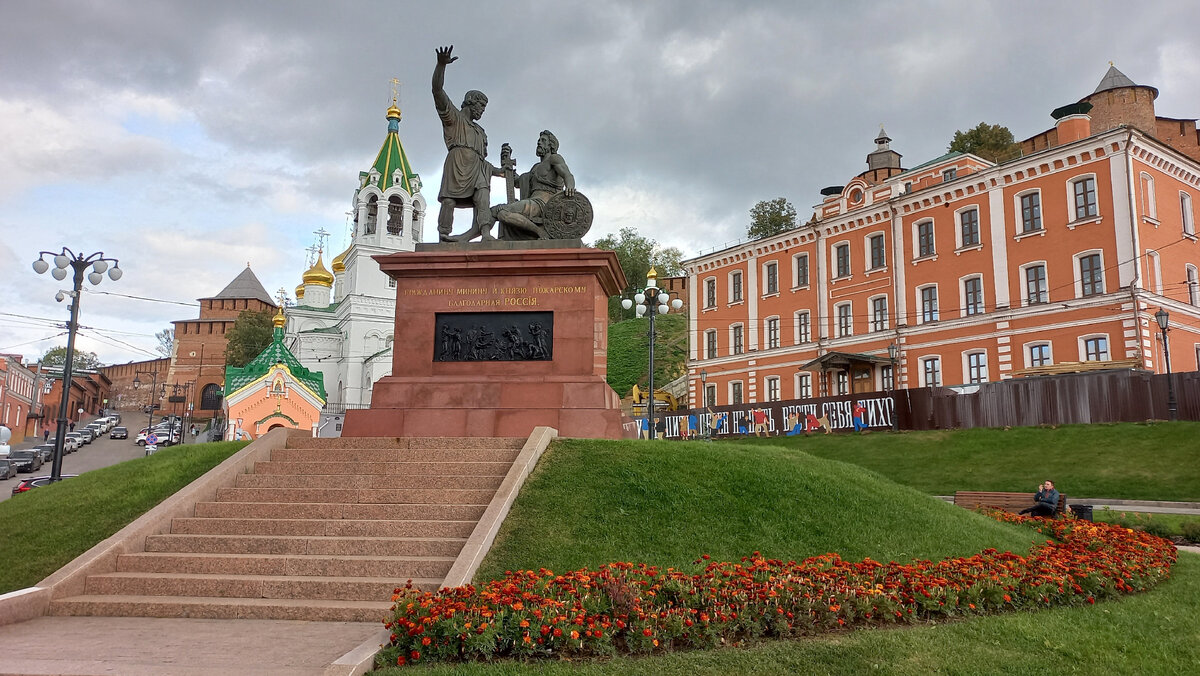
pixel 1116 505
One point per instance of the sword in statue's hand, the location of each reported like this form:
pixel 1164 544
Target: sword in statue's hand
pixel 509 165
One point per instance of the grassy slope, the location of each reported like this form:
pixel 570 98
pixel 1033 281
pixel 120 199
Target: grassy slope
pixel 46 528
pixel 1158 461
pixel 590 502
pixel 628 356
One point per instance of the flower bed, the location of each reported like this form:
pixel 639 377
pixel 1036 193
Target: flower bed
pixel 641 609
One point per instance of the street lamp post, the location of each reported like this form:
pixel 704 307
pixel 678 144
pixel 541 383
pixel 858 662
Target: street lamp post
pixel 137 384
pixel 1164 323
pixel 652 297
pixel 78 263
pixel 704 388
pixel 893 351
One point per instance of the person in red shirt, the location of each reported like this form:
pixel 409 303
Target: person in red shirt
pixel 760 422
pixel 860 412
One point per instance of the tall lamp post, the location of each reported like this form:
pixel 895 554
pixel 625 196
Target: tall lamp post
pixel 651 297
pixel 99 263
pixel 1164 324
pixel 137 385
pixel 893 352
pixel 703 388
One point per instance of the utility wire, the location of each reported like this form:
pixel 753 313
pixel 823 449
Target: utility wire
pixel 153 300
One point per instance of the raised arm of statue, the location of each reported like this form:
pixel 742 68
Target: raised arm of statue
pixel 560 165
pixel 444 58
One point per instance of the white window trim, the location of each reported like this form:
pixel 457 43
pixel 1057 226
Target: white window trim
pixel 1155 262
pixel 765 292
pixel 729 293
pixel 920 306
pixel 1187 214
pixel 1024 284
pixel 837 318
pixel 887 323
pixel 1019 220
pixel 966 366
pixel 1074 222
pixel 1191 278
pixel 924 374
pixel 867 253
pixel 962 295
pixel 716 294
pixel 796 327
pixel 1075 260
pixel 778 387
pixel 717 352
pixel 959 247
pixel 833 248
pixel 732 343
pixel 796 285
pixel 1149 199
pixel 916 241
pixel 1082 344
pixel 1025 351
pixel 798 381
pixel 766 328
pixel 729 390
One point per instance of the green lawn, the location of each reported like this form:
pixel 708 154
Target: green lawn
pixel 1158 524
pixel 1159 461
pixel 628 351
pixel 46 528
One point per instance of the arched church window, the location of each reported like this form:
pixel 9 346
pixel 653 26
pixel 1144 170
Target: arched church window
pixel 395 224
pixel 210 397
pixel 372 215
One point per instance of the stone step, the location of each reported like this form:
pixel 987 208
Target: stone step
pixel 447 481
pixel 292 544
pixel 408 442
pixel 395 567
pixel 326 527
pixel 337 510
pixel 350 455
pixel 370 496
pixel 342 469
pixel 315 610
pixel 250 586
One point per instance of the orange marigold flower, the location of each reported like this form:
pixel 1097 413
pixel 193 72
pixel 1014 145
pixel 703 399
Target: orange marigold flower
pixel 574 635
pixel 425 640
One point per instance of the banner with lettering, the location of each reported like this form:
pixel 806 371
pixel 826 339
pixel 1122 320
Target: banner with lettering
pixel 878 411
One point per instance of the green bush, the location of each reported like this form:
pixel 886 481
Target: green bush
pixel 1191 531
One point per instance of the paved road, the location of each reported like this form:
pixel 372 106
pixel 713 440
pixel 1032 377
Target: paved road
pixel 100 453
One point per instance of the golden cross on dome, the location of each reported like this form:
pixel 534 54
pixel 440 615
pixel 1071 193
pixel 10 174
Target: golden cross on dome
pixel 281 296
pixel 322 235
pixel 395 90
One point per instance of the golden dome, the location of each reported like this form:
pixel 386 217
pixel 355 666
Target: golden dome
pixel 393 111
pixel 279 320
pixel 300 292
pixel 318 275
pixel 339 262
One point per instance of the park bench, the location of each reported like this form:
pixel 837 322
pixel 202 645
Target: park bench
pixel 1008 502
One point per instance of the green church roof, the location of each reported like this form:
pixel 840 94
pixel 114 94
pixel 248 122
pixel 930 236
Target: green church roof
pixel 276 353
pixel 391 157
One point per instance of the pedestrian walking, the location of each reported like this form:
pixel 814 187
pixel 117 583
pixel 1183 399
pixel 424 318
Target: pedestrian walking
pixel 72 425
pixel 45 434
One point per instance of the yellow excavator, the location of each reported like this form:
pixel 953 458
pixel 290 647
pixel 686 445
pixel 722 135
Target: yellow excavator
pixel 663 401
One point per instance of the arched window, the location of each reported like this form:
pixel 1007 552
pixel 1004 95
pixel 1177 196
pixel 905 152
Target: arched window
pixel 395 223
pixel 372 215
pixel 210 397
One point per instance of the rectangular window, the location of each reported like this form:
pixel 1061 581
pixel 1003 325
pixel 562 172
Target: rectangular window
pixel 842 252
pixel 710 340
pixel 805 386
pixel 737 393
pixel 845 327
pixel 773 332
pixel 968 222
pixel 1095 349
pixel 1085 198
pixel 1091 275
pixel 1039 355
pixel 932 371
pixel 391 282
pixel 803 328
pixel 843 383
pixel 879 314
pixel 773 389
pixel 1035 285
pixel 1031 212
pixel 801 263
pixel 738 348
pixel 1149 203
pixel 710 395
pixel 925 245
pixel 949 174
pixel 710 293
pixel 929 304
pixel 1185 207
pixel 878 255
pixel 1193 285
pixel 772 278
pixel 735 287
pixel 977 367
pixel 888 377
pixel 973 296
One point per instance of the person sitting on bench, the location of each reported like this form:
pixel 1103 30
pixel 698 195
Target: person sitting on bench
pixel 1045 501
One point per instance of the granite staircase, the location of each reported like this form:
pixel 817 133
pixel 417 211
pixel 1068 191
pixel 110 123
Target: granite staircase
pixel 325 530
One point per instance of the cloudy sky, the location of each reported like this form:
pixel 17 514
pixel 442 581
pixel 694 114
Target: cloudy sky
pixel 189 138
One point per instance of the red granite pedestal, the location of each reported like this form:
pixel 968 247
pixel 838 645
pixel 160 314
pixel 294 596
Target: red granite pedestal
pixel 427 395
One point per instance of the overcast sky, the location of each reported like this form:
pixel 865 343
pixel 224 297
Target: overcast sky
pixel 189 138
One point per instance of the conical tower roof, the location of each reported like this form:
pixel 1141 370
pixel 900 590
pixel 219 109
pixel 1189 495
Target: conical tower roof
pixel 245 285
pixel 1115 79
pixel 391 156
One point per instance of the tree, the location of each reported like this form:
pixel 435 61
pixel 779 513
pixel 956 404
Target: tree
pixel 637 254
pixel 249 336
pixel 992 142
pixel 84 360
pixel 770 217
pixel 166 342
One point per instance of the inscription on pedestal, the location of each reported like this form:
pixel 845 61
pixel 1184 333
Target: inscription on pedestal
pixel 493 336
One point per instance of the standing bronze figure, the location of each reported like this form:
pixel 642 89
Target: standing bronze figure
pixel 466 175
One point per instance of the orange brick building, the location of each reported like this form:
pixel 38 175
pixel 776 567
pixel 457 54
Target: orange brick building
pixel 973 271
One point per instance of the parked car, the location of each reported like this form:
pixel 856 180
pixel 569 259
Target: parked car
pixel 46 451
pixel 26 461
pixel 118 433
pixel 31 483
pixel 97 430
pixel 70 443
pixel 86 434
pixel 78 437
pixel 7 470
pixel 163 438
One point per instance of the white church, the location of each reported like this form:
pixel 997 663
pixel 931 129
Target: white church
pixel 341 326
